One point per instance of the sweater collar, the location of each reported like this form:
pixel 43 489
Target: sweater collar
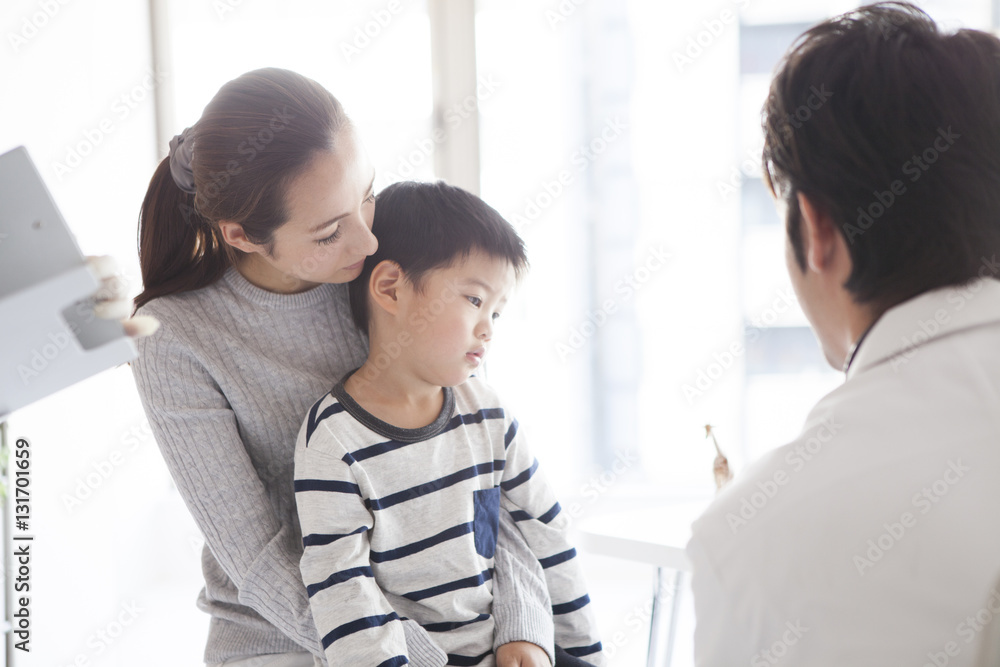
pixel 276 300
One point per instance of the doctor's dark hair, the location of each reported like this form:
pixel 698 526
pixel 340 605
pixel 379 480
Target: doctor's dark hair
pixel 891 127
pixel 259 132
pixel 427 226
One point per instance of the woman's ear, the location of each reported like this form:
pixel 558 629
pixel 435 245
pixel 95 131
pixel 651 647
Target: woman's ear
pixel 386 279
pixel 233 234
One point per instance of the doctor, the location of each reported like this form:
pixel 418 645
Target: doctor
pixel 873 539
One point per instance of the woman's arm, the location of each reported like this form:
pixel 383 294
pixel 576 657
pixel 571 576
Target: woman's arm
pixel 198 435
pixel 199 438
pixel 522 610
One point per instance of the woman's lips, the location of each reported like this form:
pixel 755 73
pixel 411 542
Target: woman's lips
pixel 354 267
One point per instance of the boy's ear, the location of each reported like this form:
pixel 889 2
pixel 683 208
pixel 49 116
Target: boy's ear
pixel 385 280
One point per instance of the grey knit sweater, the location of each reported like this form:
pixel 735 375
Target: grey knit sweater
pixel 226 382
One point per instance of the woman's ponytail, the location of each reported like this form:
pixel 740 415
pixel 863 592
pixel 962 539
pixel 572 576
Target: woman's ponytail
pixel 178 249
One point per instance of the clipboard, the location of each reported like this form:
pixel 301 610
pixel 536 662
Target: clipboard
pixel 50 337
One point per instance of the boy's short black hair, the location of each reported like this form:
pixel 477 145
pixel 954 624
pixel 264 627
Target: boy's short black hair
pixel 426 226
pixel 892 127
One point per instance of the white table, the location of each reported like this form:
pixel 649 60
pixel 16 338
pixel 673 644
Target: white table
pixel 656 536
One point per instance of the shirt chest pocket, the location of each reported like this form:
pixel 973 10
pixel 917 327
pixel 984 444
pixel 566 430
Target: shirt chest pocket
pixel 486 521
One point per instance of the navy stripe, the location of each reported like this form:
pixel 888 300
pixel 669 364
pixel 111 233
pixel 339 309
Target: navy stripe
pixel 319 539
pixel 456 421
pixel 511 433
pixel 581 651
pixel 311 424
pixel 465 660
pixel 374 450
pixel 482 415
pixel 326 485
pixel 398 660
pixel 468 582
pixel 520 479
pixel 520 515
pixel 430 487
pixel 447 627
pixel 314 420
pixel 551 514
pixel 567 607
pixel 420 545
pixel 339 578
pixel 558 558
pixel 357 626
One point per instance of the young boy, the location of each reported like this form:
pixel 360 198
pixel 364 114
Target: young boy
pixel 401 470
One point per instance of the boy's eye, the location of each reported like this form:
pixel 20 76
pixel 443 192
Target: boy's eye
pixel 475 301
pixel 331 238
pixel 496 316
pixel 371 197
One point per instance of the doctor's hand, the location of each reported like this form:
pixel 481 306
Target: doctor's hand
pixel 522 654
pixel 112 299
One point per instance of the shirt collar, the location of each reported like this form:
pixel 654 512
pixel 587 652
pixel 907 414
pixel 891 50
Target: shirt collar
pixel 929 316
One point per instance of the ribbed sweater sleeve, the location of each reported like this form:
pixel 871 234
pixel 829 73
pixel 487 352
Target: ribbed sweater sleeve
pixel 199 438
pixel 533 505
pixel 521 603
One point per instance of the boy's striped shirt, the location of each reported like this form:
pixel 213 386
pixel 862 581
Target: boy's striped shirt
pixel 402 523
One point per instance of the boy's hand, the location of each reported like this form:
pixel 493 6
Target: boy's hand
pixel 522 654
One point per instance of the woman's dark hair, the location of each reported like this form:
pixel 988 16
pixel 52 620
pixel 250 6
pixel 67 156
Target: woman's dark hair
pixel 892 128
pixel 426 226
pixel 259 132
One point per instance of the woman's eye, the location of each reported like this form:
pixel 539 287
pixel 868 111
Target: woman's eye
pixel 475 301
pixel 331 238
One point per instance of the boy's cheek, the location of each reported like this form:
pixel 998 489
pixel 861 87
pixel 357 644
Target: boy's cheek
pixel 418 323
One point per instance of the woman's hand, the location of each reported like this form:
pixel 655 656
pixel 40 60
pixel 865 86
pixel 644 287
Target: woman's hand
pixel 112 298
pixel 522 654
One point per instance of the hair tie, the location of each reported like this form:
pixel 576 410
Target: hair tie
pixel 181 152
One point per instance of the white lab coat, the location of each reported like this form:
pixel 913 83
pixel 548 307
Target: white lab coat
pixel 874 537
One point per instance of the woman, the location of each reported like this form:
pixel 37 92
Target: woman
pixel 248 233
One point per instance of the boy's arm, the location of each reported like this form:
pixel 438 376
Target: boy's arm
pixel 533 506
pixel 357 626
